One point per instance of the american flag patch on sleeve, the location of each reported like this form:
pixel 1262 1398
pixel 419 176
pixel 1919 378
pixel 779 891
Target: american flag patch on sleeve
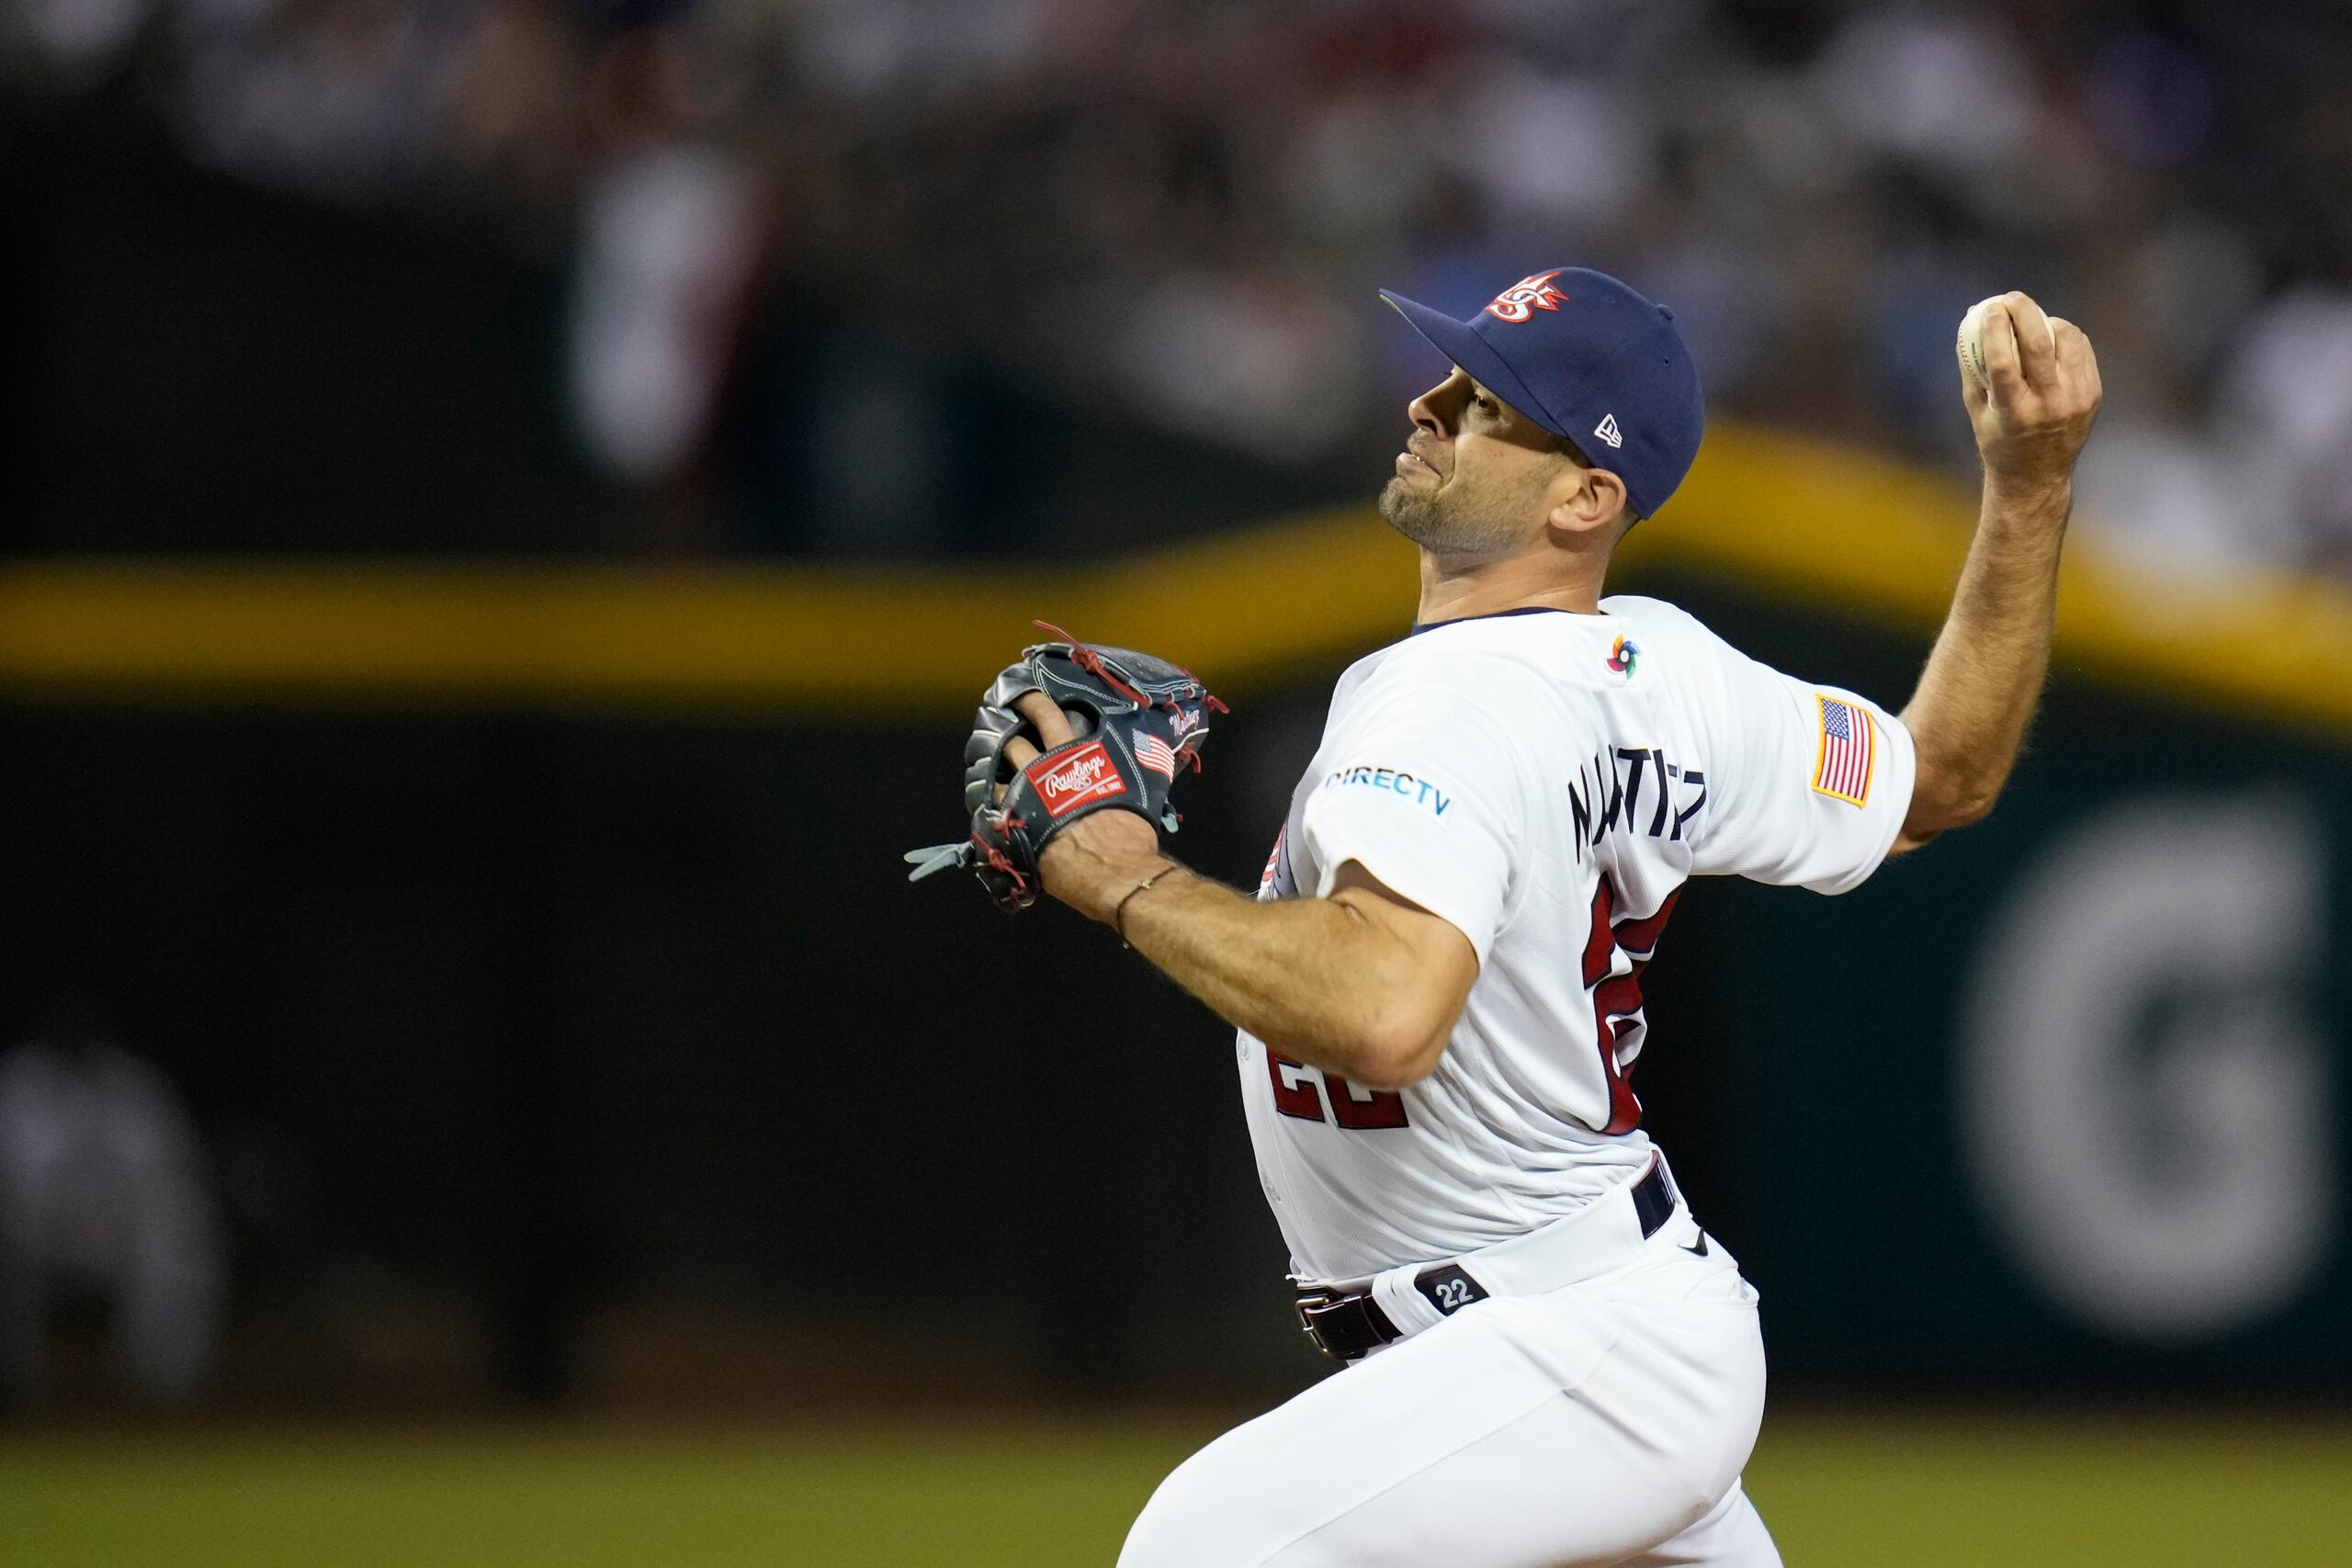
pixel 1156 754
pixel 1849 747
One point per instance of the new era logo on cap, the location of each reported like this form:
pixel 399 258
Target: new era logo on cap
pixel 1588 358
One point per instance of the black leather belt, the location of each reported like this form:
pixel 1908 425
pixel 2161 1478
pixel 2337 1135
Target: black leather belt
pixel 1351 1327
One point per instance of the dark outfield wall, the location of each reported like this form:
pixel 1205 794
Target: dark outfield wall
pixel 562 1012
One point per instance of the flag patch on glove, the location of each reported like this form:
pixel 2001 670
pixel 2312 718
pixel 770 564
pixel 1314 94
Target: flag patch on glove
pixel 1156 754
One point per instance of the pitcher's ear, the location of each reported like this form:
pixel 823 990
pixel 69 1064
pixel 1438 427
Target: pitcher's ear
pixel 1599 503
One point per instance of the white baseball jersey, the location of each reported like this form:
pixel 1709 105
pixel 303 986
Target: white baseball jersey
pixel 1546 782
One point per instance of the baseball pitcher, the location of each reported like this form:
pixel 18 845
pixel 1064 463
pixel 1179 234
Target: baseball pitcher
pixel 1437 987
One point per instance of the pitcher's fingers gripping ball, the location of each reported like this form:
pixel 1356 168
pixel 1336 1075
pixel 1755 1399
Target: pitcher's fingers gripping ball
pixel 1973 325
pixel 2030 383
pixel 1119 726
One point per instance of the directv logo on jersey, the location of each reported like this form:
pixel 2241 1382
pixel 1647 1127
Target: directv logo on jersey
pixel 1420 791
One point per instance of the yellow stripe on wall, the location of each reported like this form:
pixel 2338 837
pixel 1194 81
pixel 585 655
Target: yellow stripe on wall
pixel 1794 520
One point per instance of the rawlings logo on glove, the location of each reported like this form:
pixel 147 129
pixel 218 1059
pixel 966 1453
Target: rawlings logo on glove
pixel 1084 775
pixel 1140 721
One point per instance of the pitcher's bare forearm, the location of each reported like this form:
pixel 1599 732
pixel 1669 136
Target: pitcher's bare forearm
pixel 1984 679
pixel 1331 982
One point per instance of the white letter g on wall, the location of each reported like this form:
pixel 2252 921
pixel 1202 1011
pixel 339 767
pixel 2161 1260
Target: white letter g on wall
pixel 2146 1095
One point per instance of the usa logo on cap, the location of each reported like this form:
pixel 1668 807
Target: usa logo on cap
pixel 1529 295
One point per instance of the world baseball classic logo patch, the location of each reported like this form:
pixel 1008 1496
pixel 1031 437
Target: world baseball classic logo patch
pixel 1848 748
pixel 1075 778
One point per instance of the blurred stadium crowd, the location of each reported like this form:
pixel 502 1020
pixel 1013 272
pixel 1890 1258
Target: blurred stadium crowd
pixel 1179 211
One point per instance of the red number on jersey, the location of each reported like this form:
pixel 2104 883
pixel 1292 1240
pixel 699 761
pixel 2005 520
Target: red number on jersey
pixel 1293 1095
pixel 1377 1108
pixel 1617 998
pixel 1356 1110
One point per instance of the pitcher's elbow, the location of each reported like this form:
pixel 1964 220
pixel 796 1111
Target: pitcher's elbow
pixel 1398 1053
pixel 1944 798
pixel 1977 799
pixel 1386 1072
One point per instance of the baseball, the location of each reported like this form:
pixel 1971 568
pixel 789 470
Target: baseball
pixel 1971 341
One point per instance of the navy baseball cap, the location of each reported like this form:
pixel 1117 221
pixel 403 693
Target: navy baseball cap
pixel 1592 362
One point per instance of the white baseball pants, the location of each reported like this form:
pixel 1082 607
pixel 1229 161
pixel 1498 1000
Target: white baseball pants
pixel 1603 1423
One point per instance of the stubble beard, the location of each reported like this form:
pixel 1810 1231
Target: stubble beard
pixel 1451 525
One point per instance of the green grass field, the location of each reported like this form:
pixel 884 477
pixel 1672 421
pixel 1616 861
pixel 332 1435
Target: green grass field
pixel 1839 1492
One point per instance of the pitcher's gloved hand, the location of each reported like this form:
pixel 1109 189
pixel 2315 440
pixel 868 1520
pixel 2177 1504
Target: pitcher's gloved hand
pixel 1136 722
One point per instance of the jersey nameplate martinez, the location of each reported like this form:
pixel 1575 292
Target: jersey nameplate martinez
pixel 1848 748
pixel 1636 788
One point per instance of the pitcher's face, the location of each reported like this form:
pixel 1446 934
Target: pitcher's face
pixel 1477 480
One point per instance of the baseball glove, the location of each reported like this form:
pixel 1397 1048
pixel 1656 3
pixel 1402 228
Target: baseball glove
pixel 1139 721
